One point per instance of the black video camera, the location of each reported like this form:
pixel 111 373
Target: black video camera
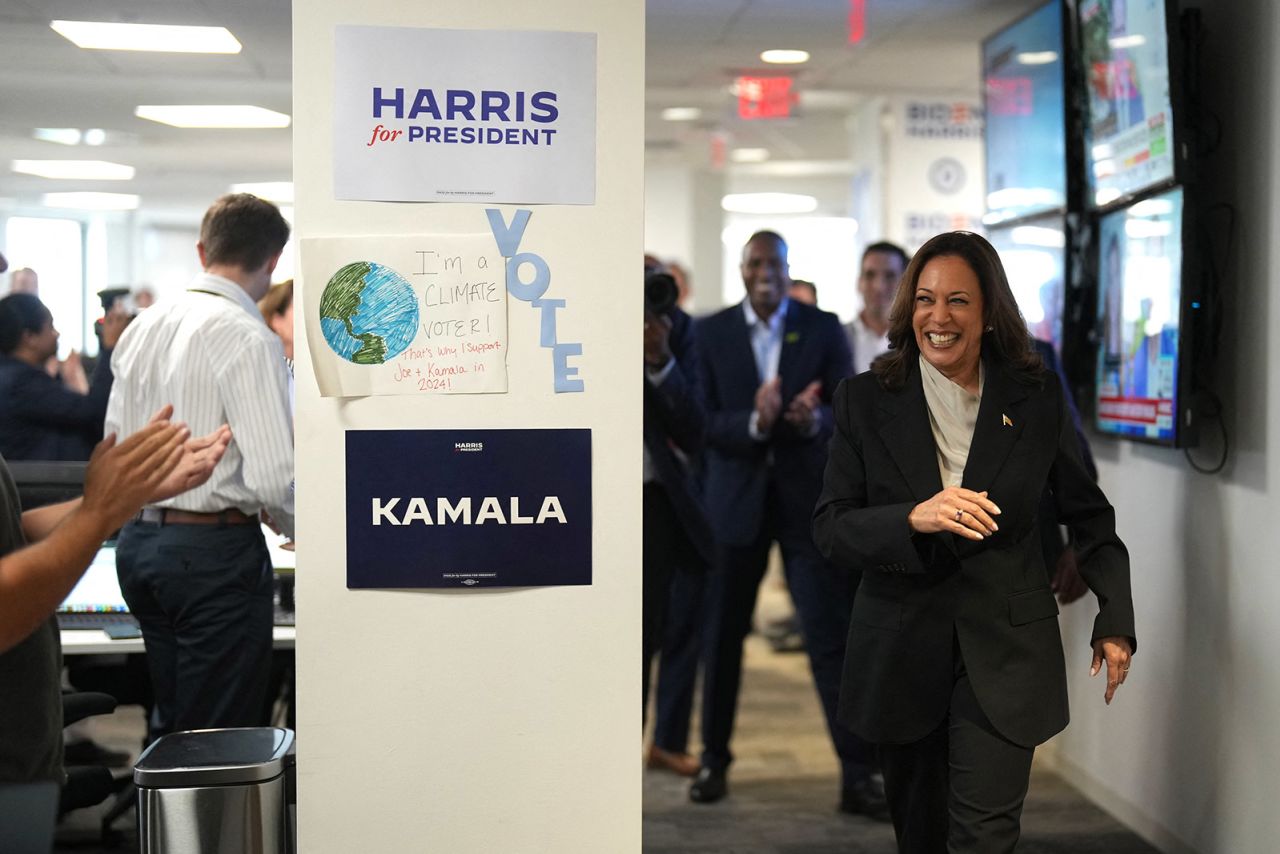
pixel 660 293
pixel 112 298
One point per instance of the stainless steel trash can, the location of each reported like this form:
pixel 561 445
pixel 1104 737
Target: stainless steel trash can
pixel 216 791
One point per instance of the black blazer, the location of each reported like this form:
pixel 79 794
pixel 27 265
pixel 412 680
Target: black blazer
pixel 739 468
pixel 674 431
pixel 41 419
pixel 920 594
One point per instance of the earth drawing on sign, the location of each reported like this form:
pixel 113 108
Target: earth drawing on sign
pixel 368 313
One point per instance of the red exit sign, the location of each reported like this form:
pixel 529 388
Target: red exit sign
pixel 765 97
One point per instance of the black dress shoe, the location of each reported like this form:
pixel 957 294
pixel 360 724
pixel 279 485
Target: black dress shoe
pixel 865 796
pixel 709 786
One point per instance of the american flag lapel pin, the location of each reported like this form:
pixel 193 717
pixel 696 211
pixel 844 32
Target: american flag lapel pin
pixel 1006 420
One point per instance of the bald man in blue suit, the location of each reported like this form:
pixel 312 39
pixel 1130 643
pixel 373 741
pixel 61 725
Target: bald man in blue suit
pixel 769 366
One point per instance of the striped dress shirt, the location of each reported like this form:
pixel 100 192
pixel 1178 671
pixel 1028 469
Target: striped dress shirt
pixel 209 353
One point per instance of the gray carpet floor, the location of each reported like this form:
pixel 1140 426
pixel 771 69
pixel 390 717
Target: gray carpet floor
pixel 782 796
pixel 783 788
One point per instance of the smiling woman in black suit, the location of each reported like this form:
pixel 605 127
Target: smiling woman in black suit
pixel 940 457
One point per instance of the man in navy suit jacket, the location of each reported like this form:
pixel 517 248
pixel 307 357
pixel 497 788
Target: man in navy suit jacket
pixel 769 366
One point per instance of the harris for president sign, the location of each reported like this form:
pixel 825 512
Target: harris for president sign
pixel 492 116
pixel 468 508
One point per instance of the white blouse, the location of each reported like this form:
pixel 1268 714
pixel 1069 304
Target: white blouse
pixel 953 413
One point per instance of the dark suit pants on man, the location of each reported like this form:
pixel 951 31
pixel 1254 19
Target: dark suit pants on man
pixel 823 598
pixel 203 598
pixel 960 788
pixel 678 661
pixel 666 552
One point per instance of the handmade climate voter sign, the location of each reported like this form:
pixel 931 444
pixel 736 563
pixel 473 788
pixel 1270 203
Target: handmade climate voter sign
pixel 464 115
pixel 407 315
pixel 468 508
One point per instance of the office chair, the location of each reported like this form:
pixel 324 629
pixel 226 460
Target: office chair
pixel 87 785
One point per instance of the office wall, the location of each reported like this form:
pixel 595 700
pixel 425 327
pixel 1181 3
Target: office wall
pixel 496 720
pixel 668 209
pixel 682 223
pixel 1188 754
pixel 934 172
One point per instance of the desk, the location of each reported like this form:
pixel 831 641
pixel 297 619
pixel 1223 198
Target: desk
pixel 96 641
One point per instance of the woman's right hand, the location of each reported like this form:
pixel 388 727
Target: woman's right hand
pixel 958 511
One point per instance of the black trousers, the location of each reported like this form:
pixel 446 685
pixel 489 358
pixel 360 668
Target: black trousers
pixel 202 595
pixel 666 551
pixel 823 597
pixel 678 661
pixel 960 788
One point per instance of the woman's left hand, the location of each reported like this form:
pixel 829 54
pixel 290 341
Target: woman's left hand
pixel 1118 655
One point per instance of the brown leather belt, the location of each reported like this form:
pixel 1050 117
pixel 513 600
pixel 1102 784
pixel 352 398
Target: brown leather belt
pixel 169 516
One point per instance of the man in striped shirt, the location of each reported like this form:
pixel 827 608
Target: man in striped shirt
pixel 194 569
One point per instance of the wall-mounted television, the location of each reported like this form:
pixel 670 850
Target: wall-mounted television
pixel 1025 139
pixel 1034 256
pixel 1150 313
pixel 1130 76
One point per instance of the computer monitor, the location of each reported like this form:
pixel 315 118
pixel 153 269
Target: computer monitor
pixel 1025 138
pixel 1149 313
pixel 1034 256
pixel 98 590
pixel 1130 69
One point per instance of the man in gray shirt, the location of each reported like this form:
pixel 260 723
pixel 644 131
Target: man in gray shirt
pixel 156 462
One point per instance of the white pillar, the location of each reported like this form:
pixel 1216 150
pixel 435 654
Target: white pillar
pixel 496 720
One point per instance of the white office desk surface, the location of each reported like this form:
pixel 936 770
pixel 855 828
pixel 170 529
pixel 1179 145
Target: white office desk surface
pixel 97 642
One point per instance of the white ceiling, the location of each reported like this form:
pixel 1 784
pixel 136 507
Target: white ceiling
pixel 694 50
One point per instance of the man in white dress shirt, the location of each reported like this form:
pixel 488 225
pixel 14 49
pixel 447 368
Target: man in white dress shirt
pixel 194 569
pixel 882 266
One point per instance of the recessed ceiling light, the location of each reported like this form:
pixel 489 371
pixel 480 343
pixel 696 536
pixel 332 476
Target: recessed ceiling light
pixel 681 114
pixel 97 35
pixel 1135 40
pixel 273 191
pixel 769 203
pixel 95 136
pixel 62 136
pixel 1037 57
pixel 1035 235
pixel 1152 208
pixel 78 170
pixel 212 116
pixel 91 201
pixel 1022 197
pixel 749 155
pixel 785 57
pixel 1105 195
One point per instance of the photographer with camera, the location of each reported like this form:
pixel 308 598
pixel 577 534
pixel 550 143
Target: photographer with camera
pixel 676 532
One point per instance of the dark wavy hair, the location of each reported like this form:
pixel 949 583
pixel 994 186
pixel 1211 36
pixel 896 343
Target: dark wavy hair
pixel 20 313
pixel 1005 340
pixel 888 248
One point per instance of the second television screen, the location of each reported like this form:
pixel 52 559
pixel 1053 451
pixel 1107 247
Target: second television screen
pixel 1139 306
pixel 1125 48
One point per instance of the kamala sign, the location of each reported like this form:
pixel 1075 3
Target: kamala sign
pixel 464 115
pixel 468 508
